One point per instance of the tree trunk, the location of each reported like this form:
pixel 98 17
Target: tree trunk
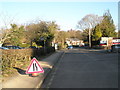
pixel 89 38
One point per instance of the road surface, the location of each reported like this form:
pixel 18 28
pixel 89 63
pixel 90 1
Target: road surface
pixel 84 68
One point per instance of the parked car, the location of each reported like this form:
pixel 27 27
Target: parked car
pixel 70 47
pixel 115 48
pixel 13 47
pixel 3 48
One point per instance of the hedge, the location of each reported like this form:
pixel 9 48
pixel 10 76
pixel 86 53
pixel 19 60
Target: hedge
pixel 20 57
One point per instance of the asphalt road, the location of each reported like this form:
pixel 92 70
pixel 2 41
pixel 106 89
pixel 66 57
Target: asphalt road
pixel 84 68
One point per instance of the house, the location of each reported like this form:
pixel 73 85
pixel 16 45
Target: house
pixel 109 41
pixel 105 41
pixel 74 41
pixel 116 41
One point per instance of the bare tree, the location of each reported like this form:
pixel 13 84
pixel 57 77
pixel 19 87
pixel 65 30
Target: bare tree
pixel 89 22
pixel 5 21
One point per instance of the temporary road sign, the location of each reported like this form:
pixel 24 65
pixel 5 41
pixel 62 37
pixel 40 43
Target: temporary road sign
pixel 34 67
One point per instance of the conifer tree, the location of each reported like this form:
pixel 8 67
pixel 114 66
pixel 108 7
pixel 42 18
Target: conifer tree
pixel 107 26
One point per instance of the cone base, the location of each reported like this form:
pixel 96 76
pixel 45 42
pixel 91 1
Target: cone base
pixel 34 74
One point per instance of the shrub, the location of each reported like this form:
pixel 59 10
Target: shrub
pixel 20 57
pixel 15 58
pixel 25 45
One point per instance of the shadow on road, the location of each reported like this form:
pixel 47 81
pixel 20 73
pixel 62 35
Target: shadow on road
pixel 20 71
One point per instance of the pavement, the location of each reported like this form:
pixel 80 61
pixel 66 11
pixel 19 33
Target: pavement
pixel 23 80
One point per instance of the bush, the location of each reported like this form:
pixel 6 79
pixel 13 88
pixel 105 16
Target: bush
pixel 15 58
pixel 20 57
pixel 24 45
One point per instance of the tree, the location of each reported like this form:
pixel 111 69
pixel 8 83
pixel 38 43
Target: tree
pixel 53 28
pixel 96 33
pixel 44 30
pixel 74 34
pixel 4 34
pixel 107 25
pixel 71 33
pixel 89 22
pixel 79 35
pixel 6 20
pixel 15 36
pixel 118 34
pixel 61 38
pixel 85 34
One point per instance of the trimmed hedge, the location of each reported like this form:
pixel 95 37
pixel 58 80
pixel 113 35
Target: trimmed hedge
pixel 20 57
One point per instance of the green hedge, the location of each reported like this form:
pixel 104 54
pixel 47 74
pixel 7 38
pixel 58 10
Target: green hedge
pixel 20 57
pixel 15 58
